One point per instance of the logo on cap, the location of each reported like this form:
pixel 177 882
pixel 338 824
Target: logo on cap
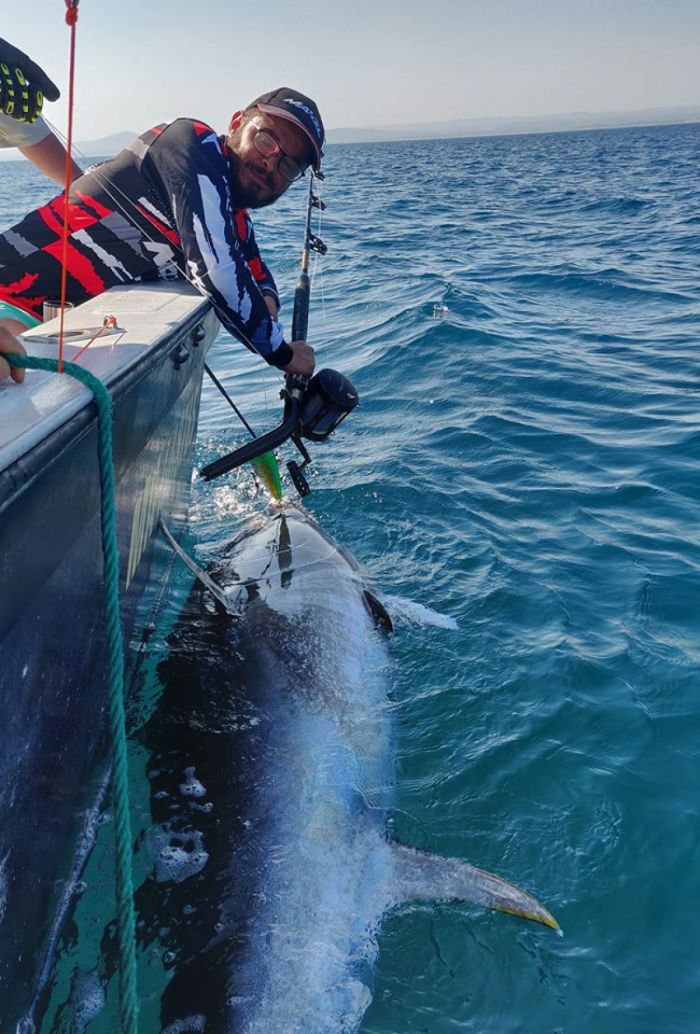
pixel 305 108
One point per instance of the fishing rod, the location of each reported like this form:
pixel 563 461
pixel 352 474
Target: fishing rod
pixel 312 409
pixel 327 393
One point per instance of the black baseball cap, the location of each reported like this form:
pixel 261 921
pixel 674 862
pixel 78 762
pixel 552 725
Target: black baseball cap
pixel 299 109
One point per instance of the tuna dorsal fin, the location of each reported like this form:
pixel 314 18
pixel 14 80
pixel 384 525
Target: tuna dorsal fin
pixel 379 612
pixel 429 877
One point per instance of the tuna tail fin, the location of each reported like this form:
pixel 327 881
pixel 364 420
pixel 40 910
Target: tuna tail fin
pixel 429 877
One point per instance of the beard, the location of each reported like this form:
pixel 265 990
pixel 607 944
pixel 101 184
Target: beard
pixel 258 190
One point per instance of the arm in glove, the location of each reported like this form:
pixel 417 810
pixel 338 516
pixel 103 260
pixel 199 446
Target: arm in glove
pixel 23 85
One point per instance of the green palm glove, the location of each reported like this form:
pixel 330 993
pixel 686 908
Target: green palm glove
pixel 23 85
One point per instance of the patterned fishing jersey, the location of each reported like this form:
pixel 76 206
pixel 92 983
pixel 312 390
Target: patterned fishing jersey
pixel 163 209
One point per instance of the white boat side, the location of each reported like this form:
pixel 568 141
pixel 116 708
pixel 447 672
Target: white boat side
pixel 145 316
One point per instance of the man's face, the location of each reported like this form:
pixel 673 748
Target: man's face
pixel 256 178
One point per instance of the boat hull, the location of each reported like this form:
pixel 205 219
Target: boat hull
pixel 53 689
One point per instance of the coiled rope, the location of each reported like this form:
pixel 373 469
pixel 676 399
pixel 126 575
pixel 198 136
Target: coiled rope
pixel 128 997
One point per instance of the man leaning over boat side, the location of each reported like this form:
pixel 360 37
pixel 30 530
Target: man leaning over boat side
pixel 23 88
pixel 174 205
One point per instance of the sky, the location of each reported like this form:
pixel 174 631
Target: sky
pixel 384 62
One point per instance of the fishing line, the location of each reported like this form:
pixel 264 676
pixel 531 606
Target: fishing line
pixel 313 407
pixel 230 401
pixel 127 209
pixel 266 465
pixel 318 256
pixel 274 372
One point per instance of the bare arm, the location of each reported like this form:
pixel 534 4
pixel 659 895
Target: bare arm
pixel 49 157
pixel 9 343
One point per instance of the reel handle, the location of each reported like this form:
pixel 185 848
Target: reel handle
pixel 251 450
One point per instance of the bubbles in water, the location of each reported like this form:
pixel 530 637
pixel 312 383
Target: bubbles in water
pixel 192 786
pixel 89 997
pixel 189 1025
pixel 181 855
pixel 358 998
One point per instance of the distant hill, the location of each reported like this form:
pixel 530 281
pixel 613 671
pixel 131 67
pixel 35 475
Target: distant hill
pixel 489 126
pixel 497 126
pixel 106 145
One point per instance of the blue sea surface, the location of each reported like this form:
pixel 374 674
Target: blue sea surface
pixel 525 464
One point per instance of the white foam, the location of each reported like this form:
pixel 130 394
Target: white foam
pixel 91 1000
pixel 359 997
pixel 177 860
pixel 190 1025
pixel 417 613
pixel 192 786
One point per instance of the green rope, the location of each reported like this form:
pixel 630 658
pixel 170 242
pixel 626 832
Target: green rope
pixel 128 998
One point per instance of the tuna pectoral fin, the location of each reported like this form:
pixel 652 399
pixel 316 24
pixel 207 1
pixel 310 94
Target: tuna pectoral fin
pixel 429 877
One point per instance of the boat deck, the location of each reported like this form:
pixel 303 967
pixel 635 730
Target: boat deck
pixel 145 314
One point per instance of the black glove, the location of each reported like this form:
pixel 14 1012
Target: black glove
pixel 23 85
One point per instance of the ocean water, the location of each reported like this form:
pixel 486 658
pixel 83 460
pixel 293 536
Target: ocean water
pixel 525 465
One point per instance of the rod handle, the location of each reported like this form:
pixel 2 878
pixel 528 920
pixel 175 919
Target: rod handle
pixel 300 319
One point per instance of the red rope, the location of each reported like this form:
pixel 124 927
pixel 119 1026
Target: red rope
pixel 109 321
pixel 71 19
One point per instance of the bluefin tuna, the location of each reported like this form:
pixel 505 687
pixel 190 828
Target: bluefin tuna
pixel 271 754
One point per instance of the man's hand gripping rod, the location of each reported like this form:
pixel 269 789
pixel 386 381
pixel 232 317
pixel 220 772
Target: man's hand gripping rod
pixel 312 409
pixel 296 384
